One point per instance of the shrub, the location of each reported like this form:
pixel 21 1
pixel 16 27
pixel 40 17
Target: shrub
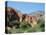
pixel 25 27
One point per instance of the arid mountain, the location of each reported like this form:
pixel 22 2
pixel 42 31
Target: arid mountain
pixel 38 14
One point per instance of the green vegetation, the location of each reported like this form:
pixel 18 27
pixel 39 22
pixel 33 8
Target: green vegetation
pixel 21 27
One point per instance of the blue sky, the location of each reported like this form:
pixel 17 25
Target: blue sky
pixel 26 7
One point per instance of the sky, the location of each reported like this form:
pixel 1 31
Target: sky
pixel 26 7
